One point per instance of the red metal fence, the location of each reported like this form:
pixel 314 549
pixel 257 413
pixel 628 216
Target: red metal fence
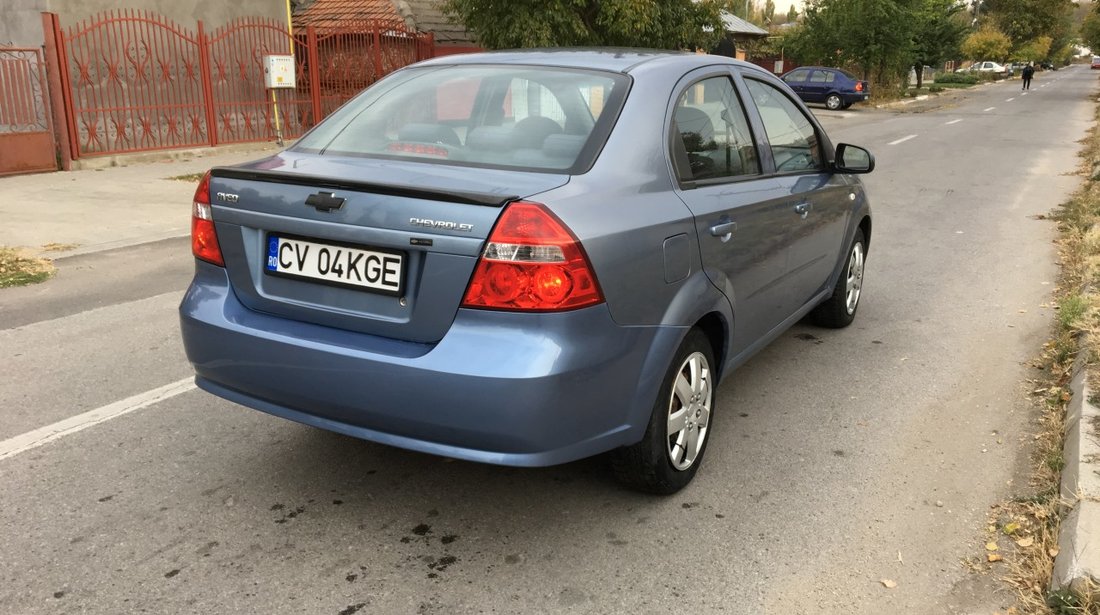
pixel 777 66
pixel 134 81
pixel 26 134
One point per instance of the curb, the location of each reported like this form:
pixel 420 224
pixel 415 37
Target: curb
pixel 1077 566
pixel 118 244
pixel 166 155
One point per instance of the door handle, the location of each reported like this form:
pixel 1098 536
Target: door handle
pixel 723 230
pixel 803 209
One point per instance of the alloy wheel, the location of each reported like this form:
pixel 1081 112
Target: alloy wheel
pixel 689 411
pixel 854 278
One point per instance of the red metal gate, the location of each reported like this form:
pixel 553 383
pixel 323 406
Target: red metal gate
pixel 26 134
pixel 340 62
pixel 135 81
pixel 243 109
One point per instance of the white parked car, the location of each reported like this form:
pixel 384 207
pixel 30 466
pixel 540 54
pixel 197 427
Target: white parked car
pixel 984 67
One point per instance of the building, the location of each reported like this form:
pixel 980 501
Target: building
pixel 416 15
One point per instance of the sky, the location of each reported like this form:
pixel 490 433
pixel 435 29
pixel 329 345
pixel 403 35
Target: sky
pixel 782 6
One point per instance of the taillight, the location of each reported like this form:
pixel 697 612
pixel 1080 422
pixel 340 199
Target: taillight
pixel 532 262
pixel 204 239
pixel 859 86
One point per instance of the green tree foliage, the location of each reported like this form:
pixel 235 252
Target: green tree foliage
pixel 769 11
pixel 875 36
pixel 792 14
pixel 1090 31
pixel 661 24
pixel 1033 51
pixel 1026 20
pixel 939 27
pixel 989 43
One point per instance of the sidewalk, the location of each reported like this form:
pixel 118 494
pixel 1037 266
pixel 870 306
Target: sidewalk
pixel 113 207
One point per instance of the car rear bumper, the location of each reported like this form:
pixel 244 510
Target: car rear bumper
pixel 502 388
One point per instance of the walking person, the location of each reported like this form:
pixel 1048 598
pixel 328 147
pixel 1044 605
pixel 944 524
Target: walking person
pixel 1027 74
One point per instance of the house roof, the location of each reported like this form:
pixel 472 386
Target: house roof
pixel 419 15
pixel 736 25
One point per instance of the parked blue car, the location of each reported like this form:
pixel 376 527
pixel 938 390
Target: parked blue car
pixel 527 258
pixel 835 88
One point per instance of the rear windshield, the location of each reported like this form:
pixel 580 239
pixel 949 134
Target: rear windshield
pixel 540 119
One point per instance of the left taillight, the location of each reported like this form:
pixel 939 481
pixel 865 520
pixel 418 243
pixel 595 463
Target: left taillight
pixel 204 238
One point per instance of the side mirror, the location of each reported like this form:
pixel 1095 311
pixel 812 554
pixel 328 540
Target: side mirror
pixel 853 159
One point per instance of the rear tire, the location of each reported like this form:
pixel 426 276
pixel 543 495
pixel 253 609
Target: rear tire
pixel 839 310
pixel 675 440
pixel 833 102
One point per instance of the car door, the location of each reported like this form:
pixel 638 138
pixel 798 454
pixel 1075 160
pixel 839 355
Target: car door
pixel 797 79
pixel 818 86
pixel 741 216
pixel 817 202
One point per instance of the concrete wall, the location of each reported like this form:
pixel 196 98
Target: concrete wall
pixel 20 22
pixel 213 13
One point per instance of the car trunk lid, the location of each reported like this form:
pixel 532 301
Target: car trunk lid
pixel 402 237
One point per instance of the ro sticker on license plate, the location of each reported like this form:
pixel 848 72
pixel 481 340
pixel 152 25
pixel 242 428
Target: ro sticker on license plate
pixel 361 268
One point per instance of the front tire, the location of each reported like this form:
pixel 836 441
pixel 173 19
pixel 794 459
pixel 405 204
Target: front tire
pixel 833 102
pixel 675 440
pixel 839 310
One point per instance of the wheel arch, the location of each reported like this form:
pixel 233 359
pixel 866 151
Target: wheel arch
pixel 717 331
pixel 865 226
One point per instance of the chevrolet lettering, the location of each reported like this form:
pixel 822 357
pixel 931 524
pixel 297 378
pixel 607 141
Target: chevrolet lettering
pixel 442 225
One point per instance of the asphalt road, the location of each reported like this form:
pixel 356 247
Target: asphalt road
pixel 830 450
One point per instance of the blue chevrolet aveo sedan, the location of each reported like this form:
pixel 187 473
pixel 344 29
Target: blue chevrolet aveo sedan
pixel 527 258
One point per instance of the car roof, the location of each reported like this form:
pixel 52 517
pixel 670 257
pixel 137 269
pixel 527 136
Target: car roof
pixel 615 59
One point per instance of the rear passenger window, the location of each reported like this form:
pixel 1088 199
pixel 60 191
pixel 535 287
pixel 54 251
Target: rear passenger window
pixel 712 137
pixel 798 75
pixel 791 135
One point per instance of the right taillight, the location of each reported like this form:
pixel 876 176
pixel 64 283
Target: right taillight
pixel 204 238
pixel 532 262
pixel 859 86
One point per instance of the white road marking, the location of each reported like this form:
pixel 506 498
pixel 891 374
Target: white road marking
pixel 1010 99
pixel 989 108
pixel 902 140
pixel 44 435
pixel 952 122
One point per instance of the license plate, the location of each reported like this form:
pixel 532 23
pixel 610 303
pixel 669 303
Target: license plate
pixel 367 269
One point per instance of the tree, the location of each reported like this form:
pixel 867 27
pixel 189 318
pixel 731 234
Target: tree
pixel 873 35
pixel 792 15
pixel 769 11
pixel 939 27
pixel 664 24
pixel 1090 31
pixel 989 43
pixel 1033 51
pixel 1027 20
